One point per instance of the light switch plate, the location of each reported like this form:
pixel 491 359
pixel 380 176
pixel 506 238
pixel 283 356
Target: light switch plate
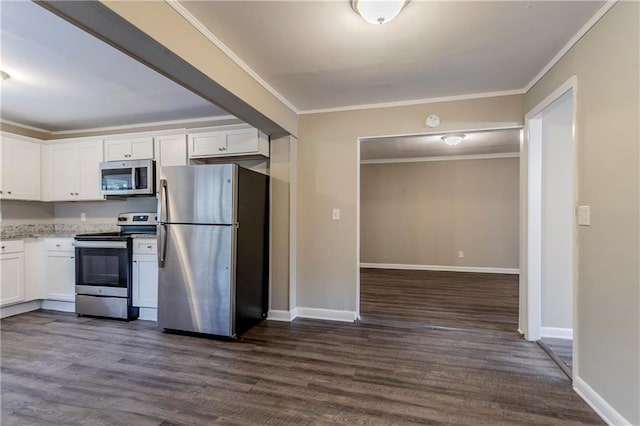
pixel 335 214
pixel 584 215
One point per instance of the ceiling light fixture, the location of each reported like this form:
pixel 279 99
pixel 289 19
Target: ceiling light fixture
pixel 453 139
pixel 4 76
pixel 378 11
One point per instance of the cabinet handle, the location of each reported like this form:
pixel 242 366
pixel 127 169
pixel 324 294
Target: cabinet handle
pixel 134 261
pixel 72 257
pixel 76 193
pixel 149 247
pixel 8 192
pixel 0 191
pixel 57 245
pixel 71 193
pixel 3 247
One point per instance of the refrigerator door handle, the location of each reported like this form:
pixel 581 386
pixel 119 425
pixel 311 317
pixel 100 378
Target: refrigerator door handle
pixel 164 206
pixel 162 242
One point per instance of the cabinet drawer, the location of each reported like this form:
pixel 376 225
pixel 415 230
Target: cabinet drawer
pixel 59 244
pixel 11 246
pixel 145 246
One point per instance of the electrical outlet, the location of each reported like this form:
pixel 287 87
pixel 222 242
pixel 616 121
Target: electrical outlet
pixel 83 217
pixel 335 214
pixel 460 254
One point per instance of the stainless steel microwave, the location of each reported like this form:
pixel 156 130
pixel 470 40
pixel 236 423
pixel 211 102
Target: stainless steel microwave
pixel 134 177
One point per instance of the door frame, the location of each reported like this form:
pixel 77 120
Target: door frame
pixel 531 219
pixel 435 132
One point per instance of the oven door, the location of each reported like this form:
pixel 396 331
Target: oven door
pixel 102 268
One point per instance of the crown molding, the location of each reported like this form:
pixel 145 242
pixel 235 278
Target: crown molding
pixel 416 101
pixel 581 32
pixel 182 11
pixel 25 126
pixel 442 158
pixel 176 123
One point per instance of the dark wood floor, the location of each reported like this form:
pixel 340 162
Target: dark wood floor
pixel 561 351
pixel 431 348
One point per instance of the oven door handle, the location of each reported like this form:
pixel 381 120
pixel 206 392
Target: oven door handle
pixel 162 242
pixel 100 244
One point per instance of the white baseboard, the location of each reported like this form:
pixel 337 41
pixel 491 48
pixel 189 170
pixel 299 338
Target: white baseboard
pixel 20 308
pixel 326 314
pixel 278 315
pixel 598 403
pixel 57 305
pixel 148 314
pixel 557 333
pixel 482 269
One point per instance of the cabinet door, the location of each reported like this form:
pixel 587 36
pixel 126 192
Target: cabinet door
pixel 115 150
pixel 90 157
pixel 21 169
pixel 170 151
pixel 242 141
pixel 128 149
pixel 63 172
pixel 12 278
pixel 207 145
pixel 145 281
pixel 61 276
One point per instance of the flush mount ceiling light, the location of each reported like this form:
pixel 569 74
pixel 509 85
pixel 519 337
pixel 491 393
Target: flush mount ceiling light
pixel 453 139
pixel 378 11
pixel 3 76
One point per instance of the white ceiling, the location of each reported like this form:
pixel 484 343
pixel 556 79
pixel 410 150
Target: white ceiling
pixel 474 143
pixel 62 78
pixel 320 54
pixel 315 54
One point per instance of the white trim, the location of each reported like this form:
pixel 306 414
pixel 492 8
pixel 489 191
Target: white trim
pixel 403 266
pixel 57 305
pixel 25 126
pixel 5 133
pixel 20 308
pixel 556 332
pixel 230 54
pixel 293 222
pixel 148 314
pixel 279 315
pixel 416 101
pixel 581 32
pixel 531 286
pixel 609 414
pixel 440 132
pixel 143 125
pixel 358 164
pixel 326 314
pixel 442 158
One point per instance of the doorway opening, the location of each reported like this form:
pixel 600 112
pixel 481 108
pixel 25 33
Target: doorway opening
pixel 549 285
pixel 439 228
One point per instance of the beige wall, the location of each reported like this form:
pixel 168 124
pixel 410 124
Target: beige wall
pixel 606 63
pixel 327 163
pixel 424 213
pixel 280 205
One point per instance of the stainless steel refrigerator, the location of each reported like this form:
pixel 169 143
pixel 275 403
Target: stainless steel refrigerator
pixel 212 249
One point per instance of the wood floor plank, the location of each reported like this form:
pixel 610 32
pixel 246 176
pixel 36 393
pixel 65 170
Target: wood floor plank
pixel 431 348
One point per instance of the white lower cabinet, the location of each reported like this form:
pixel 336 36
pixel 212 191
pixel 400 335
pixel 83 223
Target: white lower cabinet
pixel 11 272
pixel 145 273
pixel 60 270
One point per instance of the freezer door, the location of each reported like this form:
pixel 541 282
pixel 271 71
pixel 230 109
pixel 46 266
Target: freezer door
pixel 196 286
pixel 203 194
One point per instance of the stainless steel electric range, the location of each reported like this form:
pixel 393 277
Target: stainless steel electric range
pixel 104 265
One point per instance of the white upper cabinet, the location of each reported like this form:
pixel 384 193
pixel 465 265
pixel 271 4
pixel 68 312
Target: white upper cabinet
pixel 20 162
pixel 72 171
pixel 171 150
pixel 237 140
pixel 131 148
